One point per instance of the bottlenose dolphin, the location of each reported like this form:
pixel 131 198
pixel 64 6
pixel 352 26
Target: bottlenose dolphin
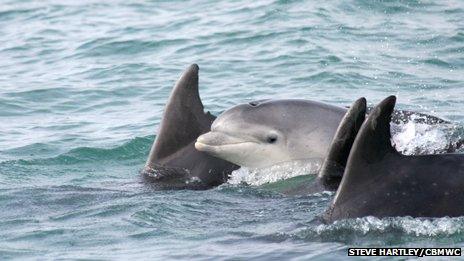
pixel 379 181
pixel 264 133
pixel 173 159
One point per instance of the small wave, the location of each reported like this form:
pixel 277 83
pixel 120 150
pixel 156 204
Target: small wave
pixel 108 46
pixel 409 226
pixel 392 7
pixel 437 62
pixel 134 149
pixel 13 14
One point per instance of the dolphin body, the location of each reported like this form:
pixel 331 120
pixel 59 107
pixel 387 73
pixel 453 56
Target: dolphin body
pixel 379 181
pixel 173 160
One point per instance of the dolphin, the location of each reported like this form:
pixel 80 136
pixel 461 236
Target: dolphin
pixel 268 132
pixel 379 181
pixel 194 149
pixel 173 160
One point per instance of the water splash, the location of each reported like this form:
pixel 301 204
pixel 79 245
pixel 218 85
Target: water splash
pixel 286 170
pixel 414 138
pixel 79 79
pixel 416 227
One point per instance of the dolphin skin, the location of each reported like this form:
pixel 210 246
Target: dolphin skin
pixel 265 133
pixel 332 169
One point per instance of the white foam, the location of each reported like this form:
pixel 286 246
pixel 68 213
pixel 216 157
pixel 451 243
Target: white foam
pixel 286 170
pixel 420 138
pixel 412 226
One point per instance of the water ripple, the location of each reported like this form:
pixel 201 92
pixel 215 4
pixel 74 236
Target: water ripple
pixel 83 87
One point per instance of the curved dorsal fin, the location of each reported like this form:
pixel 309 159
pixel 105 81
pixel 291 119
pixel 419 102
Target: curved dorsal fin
pixel 374 139
pixel 332 169
pixel 183 119
pixel 371 145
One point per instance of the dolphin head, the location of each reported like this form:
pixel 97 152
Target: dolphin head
pixel 267 132
pixel 240 136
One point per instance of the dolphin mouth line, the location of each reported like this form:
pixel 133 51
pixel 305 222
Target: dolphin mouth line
pixel 209 147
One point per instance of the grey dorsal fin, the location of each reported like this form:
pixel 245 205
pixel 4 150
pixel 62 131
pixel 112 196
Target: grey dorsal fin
pixel 333 167
pixel 184 119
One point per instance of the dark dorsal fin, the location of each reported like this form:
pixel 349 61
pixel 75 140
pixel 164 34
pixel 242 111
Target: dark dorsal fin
pixel 332 169
pixel 371 145
pixel 374 139
pixel 183 120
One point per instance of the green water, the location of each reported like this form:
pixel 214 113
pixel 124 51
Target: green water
pixel 82 89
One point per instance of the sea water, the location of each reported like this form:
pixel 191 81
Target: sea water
pixel 83 85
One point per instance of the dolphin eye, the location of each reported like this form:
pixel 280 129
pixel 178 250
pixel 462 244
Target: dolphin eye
pixel 271 138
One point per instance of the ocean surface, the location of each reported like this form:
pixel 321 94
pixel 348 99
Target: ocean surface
pixel 82 90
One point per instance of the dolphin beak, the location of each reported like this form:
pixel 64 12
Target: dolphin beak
pixel 211 141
